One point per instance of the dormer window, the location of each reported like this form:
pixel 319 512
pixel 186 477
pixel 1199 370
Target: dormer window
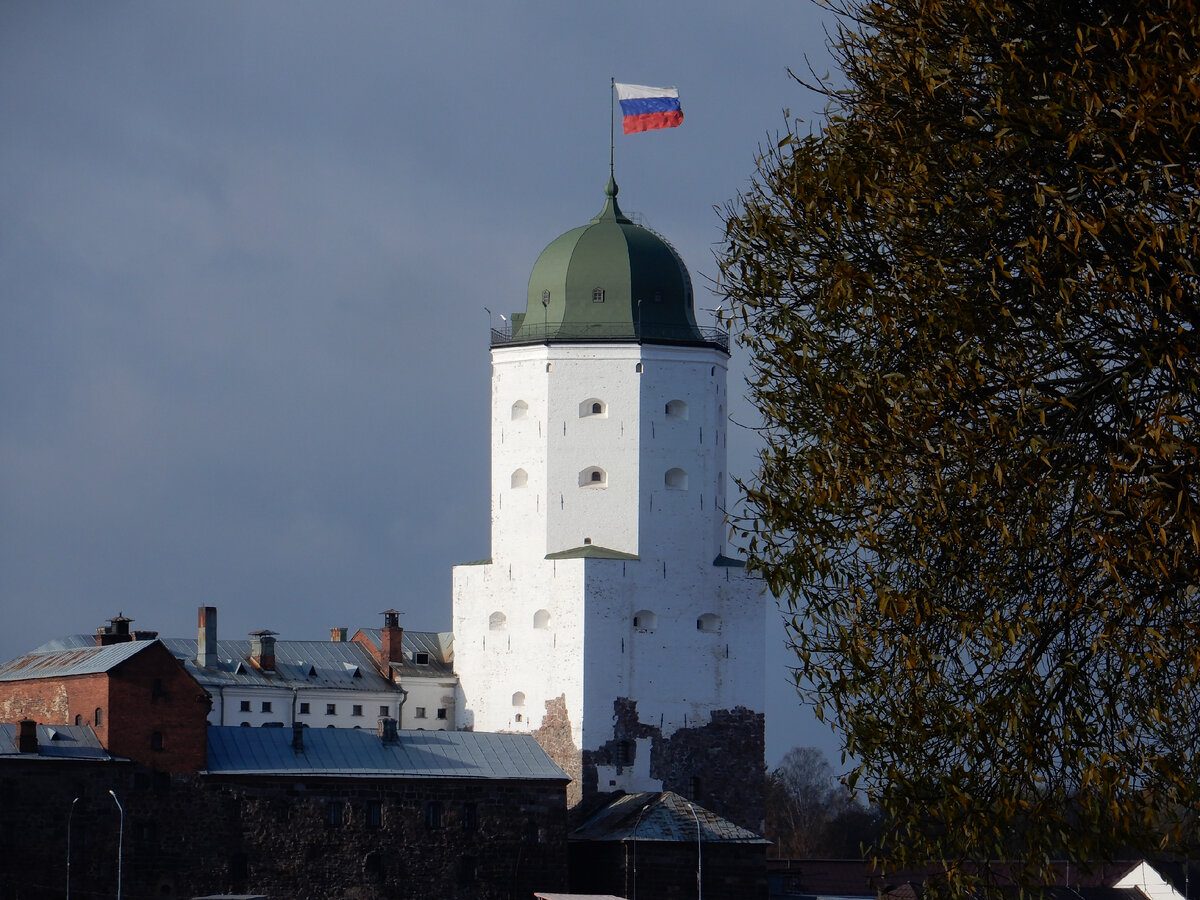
pixel 598 295
pixel 421 659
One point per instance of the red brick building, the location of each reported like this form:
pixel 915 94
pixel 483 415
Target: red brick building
pixel 138 698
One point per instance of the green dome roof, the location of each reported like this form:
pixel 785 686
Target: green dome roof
pixel 609 280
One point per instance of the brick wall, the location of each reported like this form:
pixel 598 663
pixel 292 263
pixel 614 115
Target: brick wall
pixel 148 694
pixel 189 835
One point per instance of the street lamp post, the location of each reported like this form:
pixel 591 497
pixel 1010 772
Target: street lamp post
pixel 120 842
pixel 699 860
pixel 70 816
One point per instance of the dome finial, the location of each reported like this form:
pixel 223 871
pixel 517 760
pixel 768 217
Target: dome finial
pixel 611 211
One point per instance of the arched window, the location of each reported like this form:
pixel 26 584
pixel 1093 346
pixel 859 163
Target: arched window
pixel 708 622
pixel 78 720
pixel 598 295
pixel 520 409
pixel 645 620
pixel 520 478
pixel 98 718
pixel 593 477
pixel 545 298
pixel 497 621
pixel 593 406
pixel 677 409
pixel 638 368
pixel 541 618
pixel 676 480
pixel 519 698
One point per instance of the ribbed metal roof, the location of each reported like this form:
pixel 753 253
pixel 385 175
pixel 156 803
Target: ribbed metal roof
pixel 311 664
pixel 73 660
pixel 660 817
pixel 356 753
pixel 438 647
pixel 55 742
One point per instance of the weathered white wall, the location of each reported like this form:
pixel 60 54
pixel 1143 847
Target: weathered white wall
pixel 591 652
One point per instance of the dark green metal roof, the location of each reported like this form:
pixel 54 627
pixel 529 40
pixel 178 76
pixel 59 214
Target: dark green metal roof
pixel 592 551
pixel 610 279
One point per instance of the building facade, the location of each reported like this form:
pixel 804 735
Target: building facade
pixel 609 621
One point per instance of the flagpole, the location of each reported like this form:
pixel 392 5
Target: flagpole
pixel 612 87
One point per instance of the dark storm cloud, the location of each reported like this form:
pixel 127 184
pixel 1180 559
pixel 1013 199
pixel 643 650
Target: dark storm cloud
pixel 245 252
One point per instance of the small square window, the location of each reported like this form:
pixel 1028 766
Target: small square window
pixel 304 709
pixel 422 659
pixel 331 709
pixel 385 710
pixel 441 713
pixel 266 706
pixel 245 706
pixel 356 709
pixel 419 712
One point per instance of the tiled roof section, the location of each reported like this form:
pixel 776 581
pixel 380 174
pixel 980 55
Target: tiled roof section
pixel 55 742
pixel 660 817
pixel 64 662
pixel 351 752
pixel 438 647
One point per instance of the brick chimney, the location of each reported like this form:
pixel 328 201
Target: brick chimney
pixel 388 732
pixel 206 637
pixel 298 737
pixel 115 632
pixel 27 739
pixel 262 649
pixel 338 635
pixel 390 650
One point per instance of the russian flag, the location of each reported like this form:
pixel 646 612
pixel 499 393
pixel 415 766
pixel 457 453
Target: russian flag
pixel 645 108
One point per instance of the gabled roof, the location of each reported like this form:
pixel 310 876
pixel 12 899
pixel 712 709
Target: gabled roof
pixel 62 662
pixel 358 753
pixel 660 817
pixel 54 742
pixel 329 665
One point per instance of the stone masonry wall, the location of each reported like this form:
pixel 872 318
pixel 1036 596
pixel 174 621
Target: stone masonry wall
pixel 357 839
pixel 719 765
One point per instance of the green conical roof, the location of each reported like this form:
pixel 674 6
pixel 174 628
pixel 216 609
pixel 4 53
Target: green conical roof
pixel 609 280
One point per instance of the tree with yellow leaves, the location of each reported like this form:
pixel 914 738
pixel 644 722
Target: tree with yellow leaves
pixel 972 305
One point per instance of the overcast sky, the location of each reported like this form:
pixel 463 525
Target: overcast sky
pixel 245 250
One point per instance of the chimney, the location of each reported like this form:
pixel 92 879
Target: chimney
pixel 206 637
pixel 262 649
pixel 390 650
pixel 388 732
pixel 298 737
pixel 338 635
pixel 115 632
pixel 27 739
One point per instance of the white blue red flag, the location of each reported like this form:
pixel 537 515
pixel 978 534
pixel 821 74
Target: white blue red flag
pixel 644 108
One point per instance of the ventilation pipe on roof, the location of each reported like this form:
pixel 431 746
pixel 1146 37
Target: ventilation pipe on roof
pixel 262 649
pixel 206 637
pixel 388 732
pixel 27 739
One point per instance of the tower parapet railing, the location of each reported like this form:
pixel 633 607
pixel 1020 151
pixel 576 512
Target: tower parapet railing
pixel 591 332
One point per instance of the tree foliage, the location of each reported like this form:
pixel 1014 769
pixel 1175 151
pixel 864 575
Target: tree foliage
pixel 971 302
pixel 811 815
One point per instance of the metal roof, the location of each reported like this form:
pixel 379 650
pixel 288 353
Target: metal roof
pixel 70 660
pixel 660 817
pixel 438 646
pixel 330 665
pixel 358 753
pixel 55 742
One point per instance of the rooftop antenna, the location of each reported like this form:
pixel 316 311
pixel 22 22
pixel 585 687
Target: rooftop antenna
pixel 612 131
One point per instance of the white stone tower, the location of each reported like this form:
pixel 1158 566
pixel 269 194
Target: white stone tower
pixel 609 621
